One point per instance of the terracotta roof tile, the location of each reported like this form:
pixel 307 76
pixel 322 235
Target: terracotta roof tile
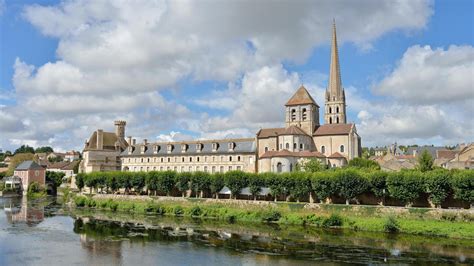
pixel 270 132
pixel 333 129
pixel 336 155
pixel 446 154
pixel 301 96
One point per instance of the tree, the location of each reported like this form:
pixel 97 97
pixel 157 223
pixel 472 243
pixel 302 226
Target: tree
pixel 425 161
pixel 25 149
pixel 216 184
pixel 301 186
pixel 275 183
pixel 324 185
pixel 55 179
pixel 438 186
pixel 200 182
pixel 80 181
pixel 364 163
pixel 235 181
pixel 166 182
pixel 55 159
pixel 182 182
pixel 45 149
pixel 138 181
pixel 255 183
pixel 312 165
pixel 75 169
pixel 405 186
pixel 463 185
pixel 351 184
pixel 18 159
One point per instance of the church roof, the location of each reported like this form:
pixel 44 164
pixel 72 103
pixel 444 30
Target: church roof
pixel 274 132
pixel 109 140
pixel 334 85
pixel 28 165
pixel 301 96
pixel 333 129
pixel 287 153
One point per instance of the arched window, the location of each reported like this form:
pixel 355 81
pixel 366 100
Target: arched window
pixel 295 145
pixel 330 120
pixel 266 149
pixel 238 158
pixel 197 159
pixel 213 169
pixel 221 169
pixel 148 160
pixel 142 160
pixel 161 159
pixel 330 110
pixel 301 146
pixel 304 114
pixel 205 168
pixel 341 148
pixel 323 149
pixel 190 159
pixel 182 159
pixel 293 114
pixel 337 110
pixel 287 146
pixel 291 167
pixel 230 158
pixel 337 120
pixel 279 167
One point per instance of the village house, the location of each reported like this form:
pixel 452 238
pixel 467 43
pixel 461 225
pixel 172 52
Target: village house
pixel 29 172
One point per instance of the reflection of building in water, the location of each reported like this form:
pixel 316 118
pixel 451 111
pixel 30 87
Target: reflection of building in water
pixel 24 213
pixel 97 248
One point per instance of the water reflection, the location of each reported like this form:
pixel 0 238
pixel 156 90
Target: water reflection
pixel 18 211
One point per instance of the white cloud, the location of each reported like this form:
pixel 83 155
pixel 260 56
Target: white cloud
pixel 426 76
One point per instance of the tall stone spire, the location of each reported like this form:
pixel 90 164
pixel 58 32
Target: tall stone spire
pixel 335 84
pixel 335 109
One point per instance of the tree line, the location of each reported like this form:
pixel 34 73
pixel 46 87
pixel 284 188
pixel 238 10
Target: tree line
pixel 348 183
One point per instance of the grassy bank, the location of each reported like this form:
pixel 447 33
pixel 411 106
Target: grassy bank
pixel 365 218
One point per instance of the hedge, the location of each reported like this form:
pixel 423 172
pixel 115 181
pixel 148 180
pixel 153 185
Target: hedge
pixel 347 183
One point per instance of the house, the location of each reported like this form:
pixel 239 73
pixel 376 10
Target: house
pixel 64 167
pixel 463 159
pixel 72 156
pixel 28 172
pixel 57 156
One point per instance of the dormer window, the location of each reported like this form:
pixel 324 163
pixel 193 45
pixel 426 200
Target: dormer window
pixel 156 148
pixel 215 146
pixel 231 146
pixel 170 148
pixel 184 147
pixel 130 149
pixel 199 147
pixel 142 149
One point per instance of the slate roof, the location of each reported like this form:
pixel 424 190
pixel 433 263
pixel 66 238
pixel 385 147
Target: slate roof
pixel 431 149
pixel 333 129
pixel 109 140
pixel 28 165
pixel 287 153
pixel 241 146
pixel 301 96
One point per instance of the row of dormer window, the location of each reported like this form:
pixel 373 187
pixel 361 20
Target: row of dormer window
pixel 184 147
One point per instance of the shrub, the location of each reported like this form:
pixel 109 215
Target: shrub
pixel 34 187
pixel 391 225
pixel 195 211
pixel 178 211
pixel 364 163
pixel 425 161
pixel 333 220
pixel 2 186
pixel 463 185
pixel 182 182
pixel 271 216
pixel 80 201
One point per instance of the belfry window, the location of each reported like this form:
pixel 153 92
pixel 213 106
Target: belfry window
pixel 330 120
pixel 293 114
pixel 304 114
pixel 295 145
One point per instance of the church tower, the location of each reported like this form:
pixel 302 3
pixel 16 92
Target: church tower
pixel 302 111
pixel 335 107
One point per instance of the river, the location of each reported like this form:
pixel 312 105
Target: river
pixel 43 232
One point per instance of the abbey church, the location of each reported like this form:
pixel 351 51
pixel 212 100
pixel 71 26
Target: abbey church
pixel 333 143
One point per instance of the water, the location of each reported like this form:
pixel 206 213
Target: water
pixel 44 233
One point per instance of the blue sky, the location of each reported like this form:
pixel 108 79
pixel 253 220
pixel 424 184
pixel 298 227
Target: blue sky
pixel 68 68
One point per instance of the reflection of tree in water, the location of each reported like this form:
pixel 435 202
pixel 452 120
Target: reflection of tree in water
pixel 21 212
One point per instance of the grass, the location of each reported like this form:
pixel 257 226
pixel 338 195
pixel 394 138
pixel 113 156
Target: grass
pixel 358 218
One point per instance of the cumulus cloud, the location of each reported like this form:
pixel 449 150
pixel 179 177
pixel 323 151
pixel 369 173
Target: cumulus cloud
pixel 425 75
pixel 115 57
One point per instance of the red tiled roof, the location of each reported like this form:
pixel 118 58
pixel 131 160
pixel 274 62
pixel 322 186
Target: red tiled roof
pixel 446 154
pixel 287 153
pixel 336 155
pixel 301 96
pixel 270 132
pixel 333 129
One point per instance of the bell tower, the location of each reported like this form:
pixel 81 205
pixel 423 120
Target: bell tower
pixel 335 106
pixel 302 111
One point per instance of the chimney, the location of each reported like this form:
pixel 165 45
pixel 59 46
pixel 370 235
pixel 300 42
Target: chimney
pixel 100 139
pixel 129 140
pixel 145 141
pixel 134 141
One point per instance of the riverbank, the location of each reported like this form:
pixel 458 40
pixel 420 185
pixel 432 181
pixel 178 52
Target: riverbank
pixel 421 221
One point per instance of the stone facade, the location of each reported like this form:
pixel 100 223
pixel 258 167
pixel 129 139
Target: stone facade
pixel 28 172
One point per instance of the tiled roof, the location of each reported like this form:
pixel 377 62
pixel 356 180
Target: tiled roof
pixel 446 154
pixel 287 153
pixel 241 146
pixel 333 129
pixel 109 140
pixel 301 96
pixel 28 165
pixel 58 165
pixel 270 132
pixel 336 155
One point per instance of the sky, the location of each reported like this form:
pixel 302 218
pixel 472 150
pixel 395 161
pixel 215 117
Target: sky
pixel 183 70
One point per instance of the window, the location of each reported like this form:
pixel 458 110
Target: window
pixel 293 114
pixel 239 168
pixel 337 119
pixel 304 114
pixel 161 159
pixel 287 146
pixel 238 158
pixel 176 169
pixel 182 159
pixel 301 146
pixel 281 146
pixel 291 167
pixel 230 168
pixel 205 168
pixel 279 167
pixel 190 169
pixel 337 110
pixel 295 145
pixel 198 168
pixel 190 159
pixel 323 149
pixel 222 169
pixel 197 158
pixel 330 120
pixel 213 169
pixel 161 168
pixel 330 110
pixel 168 159
pixel 341 148
pixel 230 158
pixel 148 160
pixel 266 149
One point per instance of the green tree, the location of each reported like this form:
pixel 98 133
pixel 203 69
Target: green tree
pixel 275 183
pixel 351 184
pixel 182 182
pixel 438 186
pixel 80 181
pixel 362 163
pixel 235 181
pixel 138 181
pixel 45 149
pixel 463 185
pixel 301 186
pixel 405 186
pixel 200 182
pixel 324 185
pixel 25 149
pixel 166 182
pixel 111 181
pixel 312 165
pixel 217 183
pixel 425 161
pixel 55 179
pixel 255 183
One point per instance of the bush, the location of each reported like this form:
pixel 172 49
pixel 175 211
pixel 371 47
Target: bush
pixel 364 163
pixel 391 225
pixel 405 186
pixel 2 186
pixel 195 211
pixel 271 216
pixel 178 211
pixel 235 181
pixel 333 220
pixel 80 201
pixel 463 185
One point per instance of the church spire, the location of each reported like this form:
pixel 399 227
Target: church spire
pixel 335 105
pixel 335 85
